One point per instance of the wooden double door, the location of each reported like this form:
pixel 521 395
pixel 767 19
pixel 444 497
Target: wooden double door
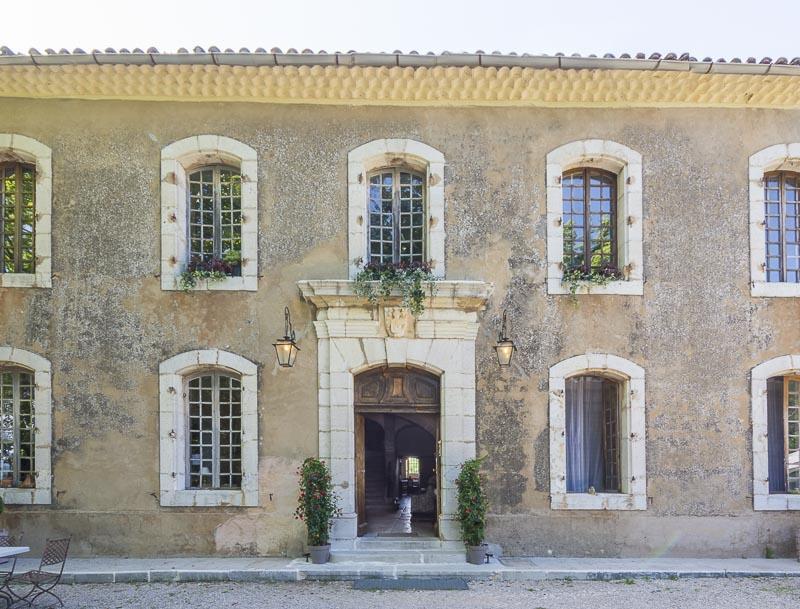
pixel 392 390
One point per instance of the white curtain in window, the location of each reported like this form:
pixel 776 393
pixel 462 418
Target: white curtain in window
pixel 584 414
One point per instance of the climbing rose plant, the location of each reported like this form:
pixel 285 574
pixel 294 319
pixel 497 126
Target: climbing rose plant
pixel 316 503
pixel 472 503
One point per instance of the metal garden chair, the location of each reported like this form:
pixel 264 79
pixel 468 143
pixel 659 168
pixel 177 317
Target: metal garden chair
pixel 42 580
pixel 6 568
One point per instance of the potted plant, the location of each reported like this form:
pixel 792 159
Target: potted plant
pixel 472 506
pixel 316 507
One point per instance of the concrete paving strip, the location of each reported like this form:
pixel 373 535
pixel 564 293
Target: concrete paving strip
pixel 215 569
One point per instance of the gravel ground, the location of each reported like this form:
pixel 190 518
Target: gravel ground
pixel 757 593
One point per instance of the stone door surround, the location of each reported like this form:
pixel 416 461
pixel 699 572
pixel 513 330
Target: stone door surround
pixel 354 336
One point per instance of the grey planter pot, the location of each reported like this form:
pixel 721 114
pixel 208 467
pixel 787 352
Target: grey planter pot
pixel 476 555
pixel 320 554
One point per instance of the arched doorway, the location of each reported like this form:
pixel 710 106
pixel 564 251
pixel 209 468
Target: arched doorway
pixel 397 451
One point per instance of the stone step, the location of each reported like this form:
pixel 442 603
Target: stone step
pixel 399 543
pixel 398 557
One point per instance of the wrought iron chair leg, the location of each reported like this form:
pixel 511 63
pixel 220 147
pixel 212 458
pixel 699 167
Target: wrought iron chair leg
pixel 40 593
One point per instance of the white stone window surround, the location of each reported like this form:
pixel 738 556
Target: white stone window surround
pixel 762 498
pixel 379 154
pixel 21 148
pixel 43 412
pixel 173 417
pixel 633 464
pixel 177 161
pixel 627 165
pixel 780 157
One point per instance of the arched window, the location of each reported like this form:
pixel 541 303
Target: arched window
pixel 214 441
pixel 594 219
pixel 589 219
pixel 783 434
pixel 396 216
pixel 215 217
pixel 395 201
pixel 782 231
pixel 209 215
pixel 17 429
pixel 209 429
pixel 25 427
pixel 592 434
pixel 18 204
pixel 597 434
pixel 25 212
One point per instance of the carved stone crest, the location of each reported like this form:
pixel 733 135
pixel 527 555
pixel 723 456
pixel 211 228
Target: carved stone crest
pixel 396 319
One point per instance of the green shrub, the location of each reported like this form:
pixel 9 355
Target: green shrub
pixel 316 503
pixel 472 503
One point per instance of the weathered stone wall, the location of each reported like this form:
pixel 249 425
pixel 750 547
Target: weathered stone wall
pixel 106 324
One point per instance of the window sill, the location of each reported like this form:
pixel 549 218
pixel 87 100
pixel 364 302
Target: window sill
pixel 775 289
pixel 247 283
pixel 631 287
pixel 600 501
pixel 26 496
pixel 776 502
pixel 200 498
pixel 25 280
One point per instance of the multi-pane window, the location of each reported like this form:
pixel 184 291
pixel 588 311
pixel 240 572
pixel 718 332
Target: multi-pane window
pixel 783 434
pixel 18 218
pixel 589 219
pixel 592 434
pixel 412 467
pixel 396 217
pixel 215 214
pixel 781 211
pixel 215 431
pixel 17 429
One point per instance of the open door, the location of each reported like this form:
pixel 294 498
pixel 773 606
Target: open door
pixel 361 468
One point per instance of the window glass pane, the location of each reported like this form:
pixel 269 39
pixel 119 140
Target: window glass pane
pixel 215 216
pixel 397 200
pixel 781 210
pixel 17 430
pixel 214 439
pixel 201 214
pixel 592 434
pixel 592 208
pixel 17 217
pixel 793 436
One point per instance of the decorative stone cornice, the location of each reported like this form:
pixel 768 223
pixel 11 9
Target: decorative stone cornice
pixel 416 86
pixel 466 296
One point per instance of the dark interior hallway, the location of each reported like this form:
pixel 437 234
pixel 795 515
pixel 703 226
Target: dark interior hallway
pixel 400 474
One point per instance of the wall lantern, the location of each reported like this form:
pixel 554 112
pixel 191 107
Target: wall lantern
pixel 285 348
pixel 505 347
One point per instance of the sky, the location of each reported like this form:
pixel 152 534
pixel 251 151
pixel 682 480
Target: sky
pixel 716 28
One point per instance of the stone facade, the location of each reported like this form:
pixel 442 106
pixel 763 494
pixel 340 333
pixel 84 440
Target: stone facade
pixel 110 324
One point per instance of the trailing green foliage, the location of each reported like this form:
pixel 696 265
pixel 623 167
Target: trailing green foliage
pixel 579 276
pixel 472 503
pixel 377 282
pixel 316 503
